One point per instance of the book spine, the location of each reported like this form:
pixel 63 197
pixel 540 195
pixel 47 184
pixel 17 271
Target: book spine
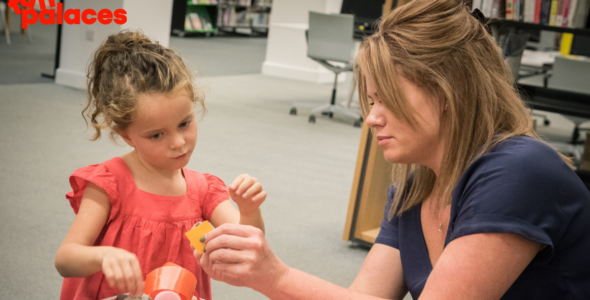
pixel 509 9
pixel 515 8
pixel 566 10
pixel 545 11
pixel 553 12
pixel 537 18
pixel 486 8
pixel 559 18
pixel 571 13
pixel 529 11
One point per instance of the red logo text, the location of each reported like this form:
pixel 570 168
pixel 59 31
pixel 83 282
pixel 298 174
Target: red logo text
pixel 54 14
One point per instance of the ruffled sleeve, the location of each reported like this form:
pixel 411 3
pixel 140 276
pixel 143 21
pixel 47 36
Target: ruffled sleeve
pixel 217 192
pixel 98 174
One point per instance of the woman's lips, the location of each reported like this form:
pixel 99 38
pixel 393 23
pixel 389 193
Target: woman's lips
pixel 383 139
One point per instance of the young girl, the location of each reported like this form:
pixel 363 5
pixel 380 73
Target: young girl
pixel 132 211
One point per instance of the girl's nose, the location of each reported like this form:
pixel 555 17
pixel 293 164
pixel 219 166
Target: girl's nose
pixel 178 141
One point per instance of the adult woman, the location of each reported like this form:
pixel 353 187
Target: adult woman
pixel 481 208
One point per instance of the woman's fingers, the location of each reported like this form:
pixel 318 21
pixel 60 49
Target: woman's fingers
pixel 232 230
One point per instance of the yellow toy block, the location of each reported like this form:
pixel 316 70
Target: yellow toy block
pixel 194 235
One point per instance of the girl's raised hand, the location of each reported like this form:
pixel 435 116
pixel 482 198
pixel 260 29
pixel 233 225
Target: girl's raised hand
pixel 247 193
pixel 121 269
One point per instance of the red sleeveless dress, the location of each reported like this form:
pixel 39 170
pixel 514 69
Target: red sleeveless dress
pixel 150 226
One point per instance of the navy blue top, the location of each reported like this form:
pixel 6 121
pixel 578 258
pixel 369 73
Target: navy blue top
pixel 522 186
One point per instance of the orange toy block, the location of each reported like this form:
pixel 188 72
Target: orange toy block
pixel 195 234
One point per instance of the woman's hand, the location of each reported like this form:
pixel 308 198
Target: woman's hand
pixel 247 193
pixel 121 269
pixel 239 255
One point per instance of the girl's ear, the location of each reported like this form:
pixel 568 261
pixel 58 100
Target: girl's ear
pixel 123 134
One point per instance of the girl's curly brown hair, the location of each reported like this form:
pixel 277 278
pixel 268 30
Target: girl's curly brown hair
pixel 126 65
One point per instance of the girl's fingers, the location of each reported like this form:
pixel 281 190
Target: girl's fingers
pixel 260 197
pixel 253 190
pixel 234 185
pixel 138 277
pixel 245 185
pixel 108 273
pixel 118 277
pixel 128 277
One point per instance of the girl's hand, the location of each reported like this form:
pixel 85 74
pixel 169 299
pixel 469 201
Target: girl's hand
pixel 247 193
pixel 239 255
pixel 121 269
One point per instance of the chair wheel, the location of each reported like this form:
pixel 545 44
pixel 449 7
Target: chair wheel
pixel 546 122
pixel 358 123
pixel 311 119
pixel 293 111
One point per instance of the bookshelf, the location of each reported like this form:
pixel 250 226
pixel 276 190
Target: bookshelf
pixel 533 26
pixel 208 17
pixel 249 17
pixel 194 17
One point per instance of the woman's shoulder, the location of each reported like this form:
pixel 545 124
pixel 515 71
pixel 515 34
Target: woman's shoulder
pixel 521 154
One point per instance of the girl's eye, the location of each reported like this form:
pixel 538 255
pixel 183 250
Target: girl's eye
pixel 371 104
pixel 156 136
pixel 184 124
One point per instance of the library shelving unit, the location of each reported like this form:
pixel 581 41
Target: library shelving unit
pixel 194 18
pixel 248 17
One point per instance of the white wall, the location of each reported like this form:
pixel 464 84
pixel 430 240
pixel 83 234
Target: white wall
pixel 286 52
pixel 80 41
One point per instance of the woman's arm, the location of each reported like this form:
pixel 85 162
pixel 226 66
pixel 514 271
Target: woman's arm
pixel 479 266
pixel 240 256
pixel 381 274
pixel 77 257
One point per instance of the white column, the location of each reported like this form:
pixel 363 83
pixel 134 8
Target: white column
pixel 79 42
pixel 286 52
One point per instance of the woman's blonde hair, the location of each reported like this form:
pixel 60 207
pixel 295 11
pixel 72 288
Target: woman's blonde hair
pixel 441 48
pixel 126 65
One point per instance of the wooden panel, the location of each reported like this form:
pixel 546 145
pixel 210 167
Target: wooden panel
pixel 374 193
pixel 370 235
pixel 355 182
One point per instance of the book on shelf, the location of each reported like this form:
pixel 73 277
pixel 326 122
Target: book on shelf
pixel 579 14
pixel 187 23
pixel 545 11
pixel 553 12
pixel 498 8
pixel 486 7
pixel 529 11
pixel 196 21
pixel 509 9
pixel 537 18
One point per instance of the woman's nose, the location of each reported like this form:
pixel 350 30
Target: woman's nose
pixel 374 119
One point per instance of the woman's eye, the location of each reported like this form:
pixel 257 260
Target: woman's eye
pixel 156 136
pixel 371 104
